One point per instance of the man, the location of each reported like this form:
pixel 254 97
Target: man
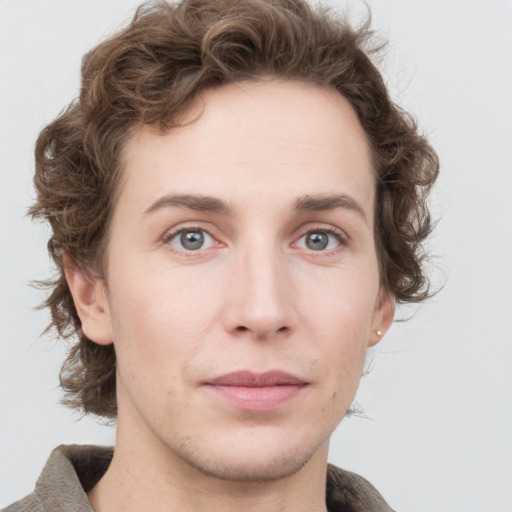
pixel 236 205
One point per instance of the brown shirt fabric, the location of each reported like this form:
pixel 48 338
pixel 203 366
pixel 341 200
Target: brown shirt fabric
pixel 71 471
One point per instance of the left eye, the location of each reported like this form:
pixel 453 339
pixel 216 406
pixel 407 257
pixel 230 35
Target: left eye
pixel 319 241
pixel 192 240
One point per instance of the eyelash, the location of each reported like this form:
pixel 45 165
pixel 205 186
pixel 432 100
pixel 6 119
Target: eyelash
pixel 170 236
pixel 341 237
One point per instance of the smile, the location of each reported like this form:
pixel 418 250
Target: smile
pixel 257 392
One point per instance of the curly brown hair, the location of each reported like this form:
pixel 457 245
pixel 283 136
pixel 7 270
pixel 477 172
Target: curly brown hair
pixel 149 73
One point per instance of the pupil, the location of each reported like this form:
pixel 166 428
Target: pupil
pixel 317 241
pixel 192 240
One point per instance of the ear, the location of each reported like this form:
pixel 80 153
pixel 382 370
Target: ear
pixel 383 315
pixel 91 302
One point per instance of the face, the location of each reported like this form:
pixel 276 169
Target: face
pixel 243 286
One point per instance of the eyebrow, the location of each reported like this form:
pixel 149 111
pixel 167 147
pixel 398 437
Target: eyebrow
pixel 213 204
pixel 321 202
pixel 191 202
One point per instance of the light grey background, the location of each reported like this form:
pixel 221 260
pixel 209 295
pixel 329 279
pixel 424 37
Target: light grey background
pixel 440 393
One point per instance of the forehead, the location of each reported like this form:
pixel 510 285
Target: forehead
pixel 251 140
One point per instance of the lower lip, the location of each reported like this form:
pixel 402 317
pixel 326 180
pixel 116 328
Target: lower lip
pixel 257 398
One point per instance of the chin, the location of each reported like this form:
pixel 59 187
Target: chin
pixel 241 462
pixel 272 469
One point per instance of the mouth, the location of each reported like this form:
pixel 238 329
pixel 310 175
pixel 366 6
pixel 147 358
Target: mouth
pixel 256 391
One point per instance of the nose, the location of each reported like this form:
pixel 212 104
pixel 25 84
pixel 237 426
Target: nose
pixel 259 298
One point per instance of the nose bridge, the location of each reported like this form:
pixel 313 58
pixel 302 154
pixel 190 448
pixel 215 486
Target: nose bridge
pixel 259 289
pixel 264 275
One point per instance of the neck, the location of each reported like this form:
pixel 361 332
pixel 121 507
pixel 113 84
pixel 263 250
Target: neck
pixel 146 475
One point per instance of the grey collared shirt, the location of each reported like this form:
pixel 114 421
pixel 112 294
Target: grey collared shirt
pixel 72 471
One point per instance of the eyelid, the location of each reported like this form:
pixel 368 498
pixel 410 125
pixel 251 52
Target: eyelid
pixel 173 232
pixel 207 240
pixel 343 238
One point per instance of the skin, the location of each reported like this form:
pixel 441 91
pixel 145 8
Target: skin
pixel 254 297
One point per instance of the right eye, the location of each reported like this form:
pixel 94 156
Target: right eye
pixel 191 240
pixel 319 241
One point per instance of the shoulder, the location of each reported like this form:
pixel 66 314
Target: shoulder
pixel 69 473
pixel 29 503
pixel 349 492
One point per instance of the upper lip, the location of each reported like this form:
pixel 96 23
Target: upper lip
pixel 257 380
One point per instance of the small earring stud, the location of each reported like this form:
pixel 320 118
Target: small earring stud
pixel 379 333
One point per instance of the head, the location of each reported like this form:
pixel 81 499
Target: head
pixel 174 114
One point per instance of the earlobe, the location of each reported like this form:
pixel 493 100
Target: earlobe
pixel 90 298
pixel 382 317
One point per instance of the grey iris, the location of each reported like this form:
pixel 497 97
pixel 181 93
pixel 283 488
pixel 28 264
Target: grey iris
pixel 192 240
pixel 317 241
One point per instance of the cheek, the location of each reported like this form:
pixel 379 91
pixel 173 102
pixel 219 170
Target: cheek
pixel 339 303
pixel 338 316
pixel 155 312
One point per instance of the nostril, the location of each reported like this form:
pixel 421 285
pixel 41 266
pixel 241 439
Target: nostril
pixel 243 328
